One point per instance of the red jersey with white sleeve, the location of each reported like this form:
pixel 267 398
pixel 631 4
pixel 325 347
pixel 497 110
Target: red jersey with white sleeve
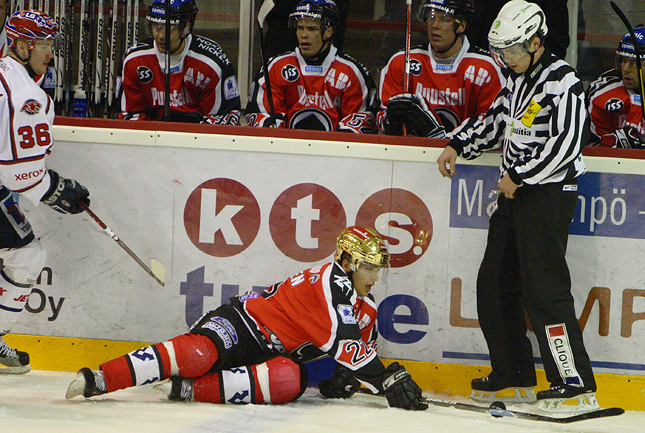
pixel 317 312
pixel 203 86
pixel 335 94
pixel 453 92
pixel 612 107
pixel 26 117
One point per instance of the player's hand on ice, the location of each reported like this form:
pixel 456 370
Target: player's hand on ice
pixel 63 194
pixel 341 385
pixel 447 161
pixel 400 390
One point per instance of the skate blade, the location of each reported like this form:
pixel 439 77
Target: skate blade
pixel 23 369
pixel 75 388
pixel 577 405
pixel 507 395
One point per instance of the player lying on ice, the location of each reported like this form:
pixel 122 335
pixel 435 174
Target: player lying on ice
pixel 252 350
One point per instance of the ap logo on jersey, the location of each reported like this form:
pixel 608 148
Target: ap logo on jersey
pixel 145 74
pixel 222 217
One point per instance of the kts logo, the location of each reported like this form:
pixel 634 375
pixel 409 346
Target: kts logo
pixel 222 218
pixel 31 107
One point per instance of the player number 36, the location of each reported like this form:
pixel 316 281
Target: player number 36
pixel 31 136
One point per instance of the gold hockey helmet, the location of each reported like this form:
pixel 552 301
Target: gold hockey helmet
pixel 363 245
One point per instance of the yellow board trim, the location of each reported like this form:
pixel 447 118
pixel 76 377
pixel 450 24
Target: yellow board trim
pixel 71 354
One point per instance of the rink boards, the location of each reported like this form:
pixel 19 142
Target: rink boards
pixel 229 212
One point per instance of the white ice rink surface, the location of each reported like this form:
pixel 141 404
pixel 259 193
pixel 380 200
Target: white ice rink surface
pixel 35 403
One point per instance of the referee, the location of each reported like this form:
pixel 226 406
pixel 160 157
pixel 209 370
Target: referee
pixel 540 121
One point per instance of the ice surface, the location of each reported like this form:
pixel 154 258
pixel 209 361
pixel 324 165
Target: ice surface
pixel 35 403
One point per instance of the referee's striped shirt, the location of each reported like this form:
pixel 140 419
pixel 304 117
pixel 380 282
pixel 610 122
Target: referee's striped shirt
pixel 541 121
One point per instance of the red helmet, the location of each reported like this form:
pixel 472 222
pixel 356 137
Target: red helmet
pixel 31 26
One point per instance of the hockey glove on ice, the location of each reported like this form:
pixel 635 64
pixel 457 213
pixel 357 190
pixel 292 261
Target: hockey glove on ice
pixel 341 385
pixel 400 390
pixel 63 194
pixel 407 108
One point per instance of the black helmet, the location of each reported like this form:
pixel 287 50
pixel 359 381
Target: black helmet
pixel 325 11
pixel 461 9
pixel 182 12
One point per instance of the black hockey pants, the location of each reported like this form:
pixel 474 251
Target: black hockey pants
pixel 524 269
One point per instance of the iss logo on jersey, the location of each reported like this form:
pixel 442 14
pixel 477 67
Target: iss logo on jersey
pixel 614 104
pixel 145 74
pixel 290 73
pixel 415 67
pixel 31 107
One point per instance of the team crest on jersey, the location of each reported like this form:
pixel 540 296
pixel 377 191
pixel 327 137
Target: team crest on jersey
pixel 145 74
pixel 313 278
pixel 415 67
pixel 290 73
pixel 230 88
pixel 614 104
pixel 31 107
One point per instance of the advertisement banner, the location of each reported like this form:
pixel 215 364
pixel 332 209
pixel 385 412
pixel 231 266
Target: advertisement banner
pixel 225 222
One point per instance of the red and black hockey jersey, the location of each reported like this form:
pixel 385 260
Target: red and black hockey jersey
pixel 203 86
pixel 612 107
pixel 335 94
pixel 316 313
pixel 454 92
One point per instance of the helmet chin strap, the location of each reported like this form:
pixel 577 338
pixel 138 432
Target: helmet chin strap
pixel 25 62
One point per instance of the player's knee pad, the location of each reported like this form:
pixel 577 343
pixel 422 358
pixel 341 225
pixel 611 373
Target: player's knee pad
pixel 22 266
pixel 279 380
pixel 191 355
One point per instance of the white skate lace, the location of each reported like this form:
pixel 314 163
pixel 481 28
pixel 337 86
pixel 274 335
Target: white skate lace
pixel 6 351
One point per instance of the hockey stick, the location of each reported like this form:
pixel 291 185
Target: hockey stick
pixel 166 98
pixel 406 71
pixel 630 29
pixel 113 235
pixel 498 410
pixel 98 61
pixel 110 77
pixel 266 7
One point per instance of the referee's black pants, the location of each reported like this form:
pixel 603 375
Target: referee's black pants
pixel 524 269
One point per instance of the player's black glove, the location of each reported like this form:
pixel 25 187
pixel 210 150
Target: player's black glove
pixel 341 385
pixel 400 390
pixel 407 108
pixel 629 138
pixel 63 194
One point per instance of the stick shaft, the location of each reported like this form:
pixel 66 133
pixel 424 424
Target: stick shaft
pixel 122 244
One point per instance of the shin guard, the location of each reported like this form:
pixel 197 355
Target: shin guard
pixel 188 355
pixel 279 380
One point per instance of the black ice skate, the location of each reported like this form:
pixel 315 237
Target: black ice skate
pixel 562 398
pixel 88 383
pixel 181 389
pixel 493 388
pixel 13 361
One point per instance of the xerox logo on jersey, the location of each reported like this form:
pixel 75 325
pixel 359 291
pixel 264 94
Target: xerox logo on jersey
pixel 145 74
pixel 614 104
pixel 305 220
pixel 290 73
pixel 222 217
pixel 403 221
pixel 31 107
pixel 415 67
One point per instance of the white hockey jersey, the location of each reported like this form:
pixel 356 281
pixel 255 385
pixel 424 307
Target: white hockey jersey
pixel 26 118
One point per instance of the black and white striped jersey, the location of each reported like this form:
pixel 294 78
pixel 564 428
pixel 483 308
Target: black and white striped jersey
pixel 540 120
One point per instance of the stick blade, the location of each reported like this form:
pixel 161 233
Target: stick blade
pixel 159 270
